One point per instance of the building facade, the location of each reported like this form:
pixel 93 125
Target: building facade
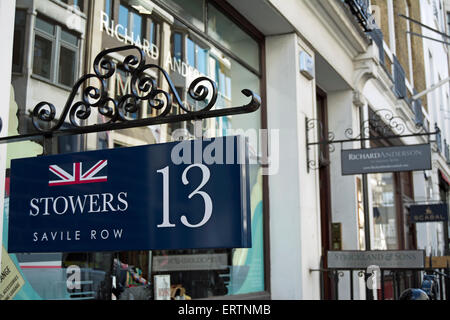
pixel 324 74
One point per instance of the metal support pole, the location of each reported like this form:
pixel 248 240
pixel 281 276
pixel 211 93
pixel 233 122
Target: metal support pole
pixel 351 285
pixel 336 284
pixel 365 191
pixel 47 145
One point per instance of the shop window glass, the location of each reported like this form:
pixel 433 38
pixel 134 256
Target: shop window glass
pixel 190 52
pixel 220 72
pixel 19 38
pixel 191 10
pixel 234 271
pixel 66 66
pixel 68 144
pixel 68 37
pixel 123 87
pixel 153 32
pixel 131 22
pixel 42 57
pixel 45 26
pixel 102 144
pixel 79 4
pixel 448 23
pixel 123 19
pixel 201 59
pixel 137 27
pixel 231 36
pixel 384 211
pixel 108 7
pixel 196 56
pixel 55 55
pixel 178 46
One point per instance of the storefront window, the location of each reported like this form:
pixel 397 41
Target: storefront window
pixel 207 273
pixel 19 39
pixel 177 46
pixel 360 210
pixel 223 30
pixel 123 19
pixel 153 32
pixel 42 57
pixel 55 55
pixel 384 211
pixel 185 55
pixel 108 7
pixel 191 10
pixel 137 27
pixel 79 4
pixel 66 68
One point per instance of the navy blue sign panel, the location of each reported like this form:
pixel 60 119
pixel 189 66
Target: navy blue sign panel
pixel 429 213
pixel 180 195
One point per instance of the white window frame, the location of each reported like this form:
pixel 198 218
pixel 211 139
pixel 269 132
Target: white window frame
pixel 57 43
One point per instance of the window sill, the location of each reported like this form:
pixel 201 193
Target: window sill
pixel 60 86
pixel 69 7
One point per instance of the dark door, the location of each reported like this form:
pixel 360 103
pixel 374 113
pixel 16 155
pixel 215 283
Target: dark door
pixel 325 195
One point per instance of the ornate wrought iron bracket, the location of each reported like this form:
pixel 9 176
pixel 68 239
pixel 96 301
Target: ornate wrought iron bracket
pixel 143 88
pixel 381 125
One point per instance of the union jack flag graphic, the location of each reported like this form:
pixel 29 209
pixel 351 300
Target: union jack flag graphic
pixel 78 177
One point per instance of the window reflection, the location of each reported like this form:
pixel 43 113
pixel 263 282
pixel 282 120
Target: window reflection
pixel 232 37
pixel 137 27
pixel 123 19
pixel 384 211
pixel 240 270
pixel 191 10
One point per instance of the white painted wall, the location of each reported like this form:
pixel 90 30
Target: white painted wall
pixel 430 235
pixel 7 13
pixel 319 32
pixel 294 203
pixel 342 115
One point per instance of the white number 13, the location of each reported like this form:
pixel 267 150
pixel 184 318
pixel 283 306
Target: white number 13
pixel 206 198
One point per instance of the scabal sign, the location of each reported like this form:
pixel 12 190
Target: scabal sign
pixel 11 280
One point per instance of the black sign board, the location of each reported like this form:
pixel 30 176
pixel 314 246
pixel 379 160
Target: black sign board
pixel 386 159
pixel 429 213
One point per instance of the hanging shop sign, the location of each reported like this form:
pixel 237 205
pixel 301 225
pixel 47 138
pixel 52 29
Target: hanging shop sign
pixel 429 213
pixel 386 159
pixel 179 195
pixel 387 259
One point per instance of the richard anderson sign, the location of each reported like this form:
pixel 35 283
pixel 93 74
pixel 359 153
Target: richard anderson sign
pixel 180 195
pixel 386 159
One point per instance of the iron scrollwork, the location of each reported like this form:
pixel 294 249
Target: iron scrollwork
pixel 143 88
pixel 385 124
pixel 381 124
pixel 315 124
